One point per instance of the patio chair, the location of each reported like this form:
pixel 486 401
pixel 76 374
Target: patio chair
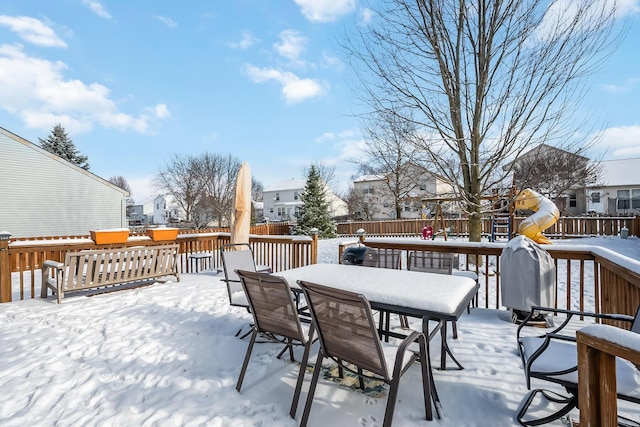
pixel 237 256
pixel 347 334
pixel 275 318
pixel 385 258
pixel 553 357
pixel 433 262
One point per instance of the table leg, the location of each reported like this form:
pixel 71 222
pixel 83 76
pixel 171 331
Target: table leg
pixel 434 391
pixel 444 348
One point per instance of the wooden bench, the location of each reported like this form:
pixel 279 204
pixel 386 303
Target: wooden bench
pixel 107 267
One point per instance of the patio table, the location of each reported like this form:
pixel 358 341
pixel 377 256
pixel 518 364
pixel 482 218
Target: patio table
pixel 430 296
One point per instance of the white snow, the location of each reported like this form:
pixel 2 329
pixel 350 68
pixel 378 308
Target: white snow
pixel 166 355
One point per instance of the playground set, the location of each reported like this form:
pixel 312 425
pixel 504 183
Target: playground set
pixel 545 214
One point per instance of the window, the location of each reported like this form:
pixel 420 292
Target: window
pixel 635 199
pixel 270 210
pixel 295 195
pixel 298 211
pixel 595 197
pixel 623 199
pixel 368 189
pixel 280 211
pixel 277 197
pixel 573 201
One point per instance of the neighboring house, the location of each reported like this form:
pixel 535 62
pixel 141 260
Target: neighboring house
pixel 154 211
pixel 281 202
pixel 619 188
pixel 417 201
pixel 45 195
pixel 553 179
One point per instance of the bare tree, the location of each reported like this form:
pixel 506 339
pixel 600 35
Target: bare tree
pixel 552 172
pixel 327 173
pixel 390 153
pixel 182 178
pixel 219 175
pixel 483 79
pixel 256 189
pixel 358 206
pixel 120 181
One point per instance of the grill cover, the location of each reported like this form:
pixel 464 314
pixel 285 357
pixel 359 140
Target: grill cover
pixel 527 275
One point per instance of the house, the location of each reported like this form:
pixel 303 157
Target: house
pixel 557 174
pixel 45 195
pixel 618 191
pixel 281 201
pixel 418 187
pixel 155 211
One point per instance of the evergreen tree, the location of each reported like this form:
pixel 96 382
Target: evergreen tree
pixel 315 209
pixel 61 145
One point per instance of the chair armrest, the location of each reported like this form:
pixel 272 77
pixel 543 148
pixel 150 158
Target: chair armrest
pixel 569 315
pixel 52 264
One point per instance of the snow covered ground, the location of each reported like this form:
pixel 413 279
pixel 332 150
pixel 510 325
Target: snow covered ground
pixel 166 355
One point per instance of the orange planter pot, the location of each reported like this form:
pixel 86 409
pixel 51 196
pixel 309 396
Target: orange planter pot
pixel 163 233
pixel 104 237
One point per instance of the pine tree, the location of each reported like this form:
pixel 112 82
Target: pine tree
pixel 61 145
pixel 314 212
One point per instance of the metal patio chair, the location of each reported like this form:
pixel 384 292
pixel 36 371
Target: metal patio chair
pixel 237 256
pixel 553 357
pixel 275 318
pixel 433 262
pixel 348 335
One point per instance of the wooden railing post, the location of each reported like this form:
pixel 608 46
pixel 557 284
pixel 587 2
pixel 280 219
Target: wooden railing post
pixel 598 346
pixel 314 246
pixel 5 267
pixel 361 235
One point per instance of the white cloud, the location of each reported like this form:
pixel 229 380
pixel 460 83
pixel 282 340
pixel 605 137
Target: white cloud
pixel 37 91
pixel 325 10
pixel 624 87
pixel 245 42
pixel 366 15
pixel 167 21
pixel 32 30
pixel 621 141
pixel 291 44
pixel 97 8
pixel 294 89
pixel 162 111
pixel 332 62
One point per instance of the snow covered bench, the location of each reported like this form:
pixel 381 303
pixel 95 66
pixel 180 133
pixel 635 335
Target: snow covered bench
pixel 107 267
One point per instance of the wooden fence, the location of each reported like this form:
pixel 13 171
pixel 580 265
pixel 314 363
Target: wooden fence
pixel 24 257
pixel 615 285
pixel 565 227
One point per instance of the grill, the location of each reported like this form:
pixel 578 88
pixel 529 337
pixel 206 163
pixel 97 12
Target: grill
pixel 359 255
pixel 527 277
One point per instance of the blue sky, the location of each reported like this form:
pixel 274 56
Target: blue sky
pixel 136 82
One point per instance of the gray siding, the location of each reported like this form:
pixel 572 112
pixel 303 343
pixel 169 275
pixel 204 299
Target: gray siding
pixel 43 195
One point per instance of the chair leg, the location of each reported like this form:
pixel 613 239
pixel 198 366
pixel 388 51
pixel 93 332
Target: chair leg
pixel 312 390
pixel 404 322
pixel 454 327
pixel 247 356
pixel 361 379
pixel 569 403
pixel 303 368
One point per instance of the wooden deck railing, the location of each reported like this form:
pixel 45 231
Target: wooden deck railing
pixel 598 347
pixel 613 280
pixel 24 258
pixel 565 227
